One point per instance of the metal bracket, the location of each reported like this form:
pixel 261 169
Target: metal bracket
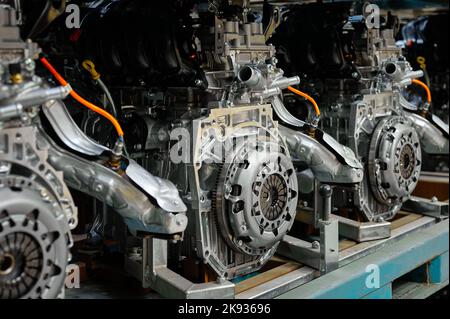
pixel 322 255
pixel 329 245
pixel 363 231
pixel 150 268
pixel 427 207
pixel 300 250
pixel 354 230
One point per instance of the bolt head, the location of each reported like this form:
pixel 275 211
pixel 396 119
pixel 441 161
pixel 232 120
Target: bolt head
pixel 30 65
pixel 4 167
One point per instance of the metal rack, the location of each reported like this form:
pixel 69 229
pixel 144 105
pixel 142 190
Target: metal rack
pixel 420 243
pixel 409 254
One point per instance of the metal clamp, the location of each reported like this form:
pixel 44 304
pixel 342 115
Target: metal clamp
pixel 151 269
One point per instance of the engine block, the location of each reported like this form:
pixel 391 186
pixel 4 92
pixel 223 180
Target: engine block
pixel 179 128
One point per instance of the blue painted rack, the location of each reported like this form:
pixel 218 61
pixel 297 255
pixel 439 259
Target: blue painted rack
pixel 412 263
pixel 420 258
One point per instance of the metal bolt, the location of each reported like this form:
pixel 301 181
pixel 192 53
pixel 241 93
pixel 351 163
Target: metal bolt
pixel 227 189
pixel 198 82
pixel 334 107
pixel 434 199
pixel 43 193
pixel 4 167
pixel 30 65
pixel 315 244
pixel 24 117
pixel 175 239
pixel 45 196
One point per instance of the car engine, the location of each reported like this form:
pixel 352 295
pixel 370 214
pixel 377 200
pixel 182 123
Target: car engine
pixel 205 125
pixel 359 77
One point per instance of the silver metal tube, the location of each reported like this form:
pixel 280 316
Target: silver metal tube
pixel 249 76
pixel 432 139
pixel 324 164
pixel 406 104
pixel 283 83
pixel 413 75
pixel 38 96
pixel 116 191
pixel 392 70
pixel 108 97
pixel 41 95
pixel 284 114
pixel 405 82
pixel 10 111
pixel 271 92
pixel 68 131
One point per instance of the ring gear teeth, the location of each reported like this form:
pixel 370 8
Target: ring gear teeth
pixel 36 216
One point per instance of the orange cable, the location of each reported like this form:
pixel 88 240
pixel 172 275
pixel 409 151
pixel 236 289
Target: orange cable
pixel 427 89
pixel 81 100
pixel 306 96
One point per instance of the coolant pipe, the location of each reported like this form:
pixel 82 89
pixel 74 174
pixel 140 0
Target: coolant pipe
pixel 14 107
pixel 38 96
pixel 250 76
pixel 413 75
pixel 284 83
